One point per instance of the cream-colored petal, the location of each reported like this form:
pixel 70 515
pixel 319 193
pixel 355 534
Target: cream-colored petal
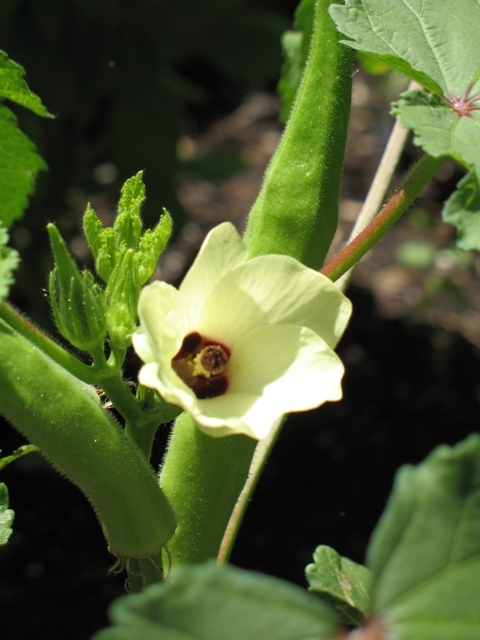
pixel 156 302
pixel 168 385
pixel 236 413
pixel 274 289
pixel 224 415
pixel 221 251
pixel 289 366
pixel 142 346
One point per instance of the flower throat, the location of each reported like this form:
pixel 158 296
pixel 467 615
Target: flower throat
pixel 202 365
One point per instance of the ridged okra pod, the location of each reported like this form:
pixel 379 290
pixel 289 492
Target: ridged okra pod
pixel 296 212
pixel 65 419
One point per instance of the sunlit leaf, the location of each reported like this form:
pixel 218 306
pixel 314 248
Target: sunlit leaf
pixel 13 86
pixel 19 165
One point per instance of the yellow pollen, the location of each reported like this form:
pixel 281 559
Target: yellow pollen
pixel 210 361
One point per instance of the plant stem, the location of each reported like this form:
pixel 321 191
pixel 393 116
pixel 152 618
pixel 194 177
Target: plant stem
pixel 379 187
pixel 261 455
pixel 203 478
pixel 57 353
pixel 139 425
pixel 414 182
pixel 381 182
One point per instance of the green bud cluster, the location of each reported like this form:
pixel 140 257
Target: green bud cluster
pixel 78 304
pixel 124 259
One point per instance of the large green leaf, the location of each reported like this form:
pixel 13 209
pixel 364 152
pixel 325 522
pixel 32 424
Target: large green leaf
pixel 434 42
pixel 207 602
pixel 425 552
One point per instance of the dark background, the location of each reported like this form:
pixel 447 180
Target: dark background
pixel 127 81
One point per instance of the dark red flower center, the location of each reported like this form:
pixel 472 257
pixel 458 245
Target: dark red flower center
pixel 202 364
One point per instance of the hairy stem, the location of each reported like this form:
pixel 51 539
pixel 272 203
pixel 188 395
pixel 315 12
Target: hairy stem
pixel 62 357
pixel 414 182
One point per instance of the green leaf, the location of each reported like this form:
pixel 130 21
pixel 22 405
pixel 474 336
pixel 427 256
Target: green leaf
pixel 438 128
pixel 425 552
pixel 462 210
pixel 432 42
pixel 6 516
pixel 340 582
pixel 18 453
pixel 207 602
pixel 436 44
pixel 19 165
pixel 13 86
pixel 441 132
pixel 19 162
pixel 9 260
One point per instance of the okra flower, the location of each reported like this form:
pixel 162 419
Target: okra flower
pixel 242 341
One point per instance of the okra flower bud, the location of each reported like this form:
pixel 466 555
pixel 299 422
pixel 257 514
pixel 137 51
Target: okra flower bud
pixel 110 244
pixel 122 294
pixel 78 303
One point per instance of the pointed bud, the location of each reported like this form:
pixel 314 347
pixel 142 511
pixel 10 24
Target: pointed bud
pixel 93 229
pixel 77 302
pixel 151 247
pixel 128 224
pixel 122 294
pixel 108 255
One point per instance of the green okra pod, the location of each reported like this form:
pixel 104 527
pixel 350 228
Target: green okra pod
pixel 296 212
pixel 65 419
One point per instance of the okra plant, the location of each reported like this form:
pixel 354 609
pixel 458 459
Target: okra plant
pixel 247 338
